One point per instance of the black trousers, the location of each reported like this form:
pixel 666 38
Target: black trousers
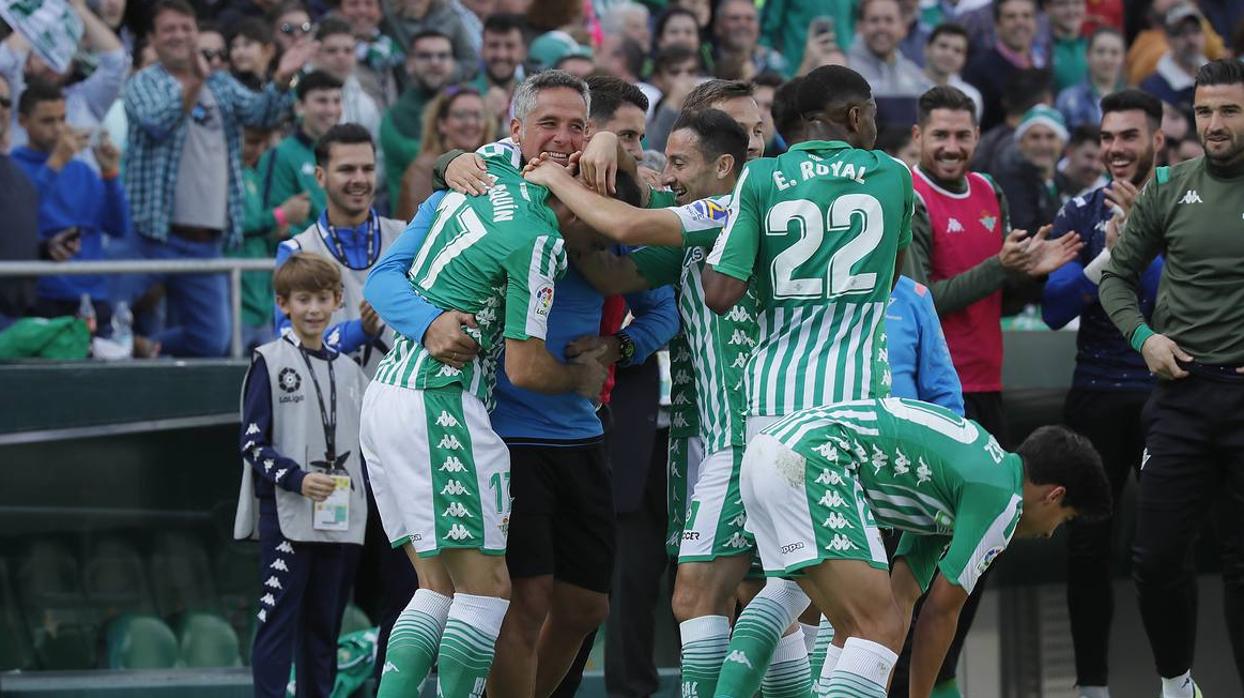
pixel 1194 459
pixel 984 409
pixel 1111 420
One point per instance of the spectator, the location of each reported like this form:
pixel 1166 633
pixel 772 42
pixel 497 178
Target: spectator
pixel 262 229
pixel 764 86
pixel 1068 45
pixel 289 168
pixel 623 58
pixel 675 72
pixel 291 24
pixel 456 120
pixel 20 241
pixel 251 50
pixel 734 97
pixel 86 102
pixel 786 27
pixel 552 48
pixel 407 20
pixel 472 24
pixel 336 56
pixel 380 58
pixel 503 54
pixel 897 142
pixel 1081 169
pixel 945 54
pixel 1026 171
pixel 112 12
pixel 917 33
pixel 212 47
pixel 183 169
pixel 1081 104
pixel 1174 79
pixel 1148 46
pixel 737 30
pixel 1028 89
pixel 74 202
pixel 702 10
pixel 630 20
pixel 875 55
pixel 993 69
pixel 429 67
pixel 677 26
pixel 238 11
pixel 352 236
pixel 821 48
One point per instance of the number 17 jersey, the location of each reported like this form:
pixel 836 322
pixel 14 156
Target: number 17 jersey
pixel 819 228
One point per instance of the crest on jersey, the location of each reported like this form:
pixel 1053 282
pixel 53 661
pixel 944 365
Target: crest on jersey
pixel 988 221
pixel 988 559
pixel 544 300
pixel 289 380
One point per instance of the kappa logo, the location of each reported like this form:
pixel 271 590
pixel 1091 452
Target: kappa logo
pixel 791 547
pixel 682 378
pixel 285 547
pixel 334 337
pixel 739 314
pixel 833 500
pixel 544 300
pixel 739 337
pixel 256 452
pixel 273 583
pixel 389 667
pixel 1144 458
pixel 448 371
pixel 883 355
pixel 684 354
pixel 446 420
pixel 736 541
pixel 886 378
pixel 682 399
pixel 739 520
pixel 901 463
pixel 680 420
pixel 739 361
pixel 840 543
pixel 860 452
pixel 452 465
pixel 879 460
pixel 457 510
pixel 836 522
pixel 280 474
pixel 486 316
pixel 1191 197
pixel 454 488
pixel 923 472
pixel 690 689
pixel 827 451
pixel 267 465
pixel 954 226
pixel 252 429
pixel 829 477
pixel 458 532
pixel 267 600
pixel 289 380
pixel 450 442
pixel 262 615
pixel 739 657
pixel 279 565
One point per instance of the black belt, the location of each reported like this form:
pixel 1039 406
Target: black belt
pixel 194 233
pixel 1218 372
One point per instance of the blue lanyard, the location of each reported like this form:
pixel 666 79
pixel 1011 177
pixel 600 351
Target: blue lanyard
pixel 329 234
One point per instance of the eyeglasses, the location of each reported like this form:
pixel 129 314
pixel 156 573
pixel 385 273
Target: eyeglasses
pixel 289 28
pixel 466 115
pixel 212 54
pixel 439 56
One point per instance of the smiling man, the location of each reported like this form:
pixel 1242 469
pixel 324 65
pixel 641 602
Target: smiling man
pixel 1194 213
pixel 289 168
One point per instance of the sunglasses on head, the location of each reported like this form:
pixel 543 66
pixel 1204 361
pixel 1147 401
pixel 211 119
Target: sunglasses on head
pixel 290 28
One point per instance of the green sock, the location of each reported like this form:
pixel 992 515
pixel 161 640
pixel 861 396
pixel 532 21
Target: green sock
pixel 863 670
pixel 756 633
pixel 412 645
pixel 788 676
pixel 824 638
pixel 704 641
pixel 467 645
pixel 946 689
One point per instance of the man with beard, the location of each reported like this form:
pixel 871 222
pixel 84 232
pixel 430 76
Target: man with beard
pixel 430 67
pixel 1111 382
pixel 960 245
pixel 1195 441
pixel 503 53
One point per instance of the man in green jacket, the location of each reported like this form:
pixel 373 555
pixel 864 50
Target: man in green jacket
pixel 1193 213
pixel 289 168
pixel 430 66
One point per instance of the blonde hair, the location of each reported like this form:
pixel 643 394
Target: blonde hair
pixel 438 109
pixel 306 271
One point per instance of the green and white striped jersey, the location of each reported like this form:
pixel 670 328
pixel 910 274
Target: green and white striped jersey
pixel 495 256
pixel 818 229
pixel 719 344
pixel 684 416
pixel 938 477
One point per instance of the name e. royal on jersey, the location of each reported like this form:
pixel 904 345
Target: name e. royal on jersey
pixel 809 170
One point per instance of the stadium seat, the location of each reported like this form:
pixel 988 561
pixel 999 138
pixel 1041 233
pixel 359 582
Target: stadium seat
pixel 181 575
pixel 206 640
pixel 139 642
pixel 237 578
pixel 115 580
pixel 15 651
pixel 63 626
pixel 354 619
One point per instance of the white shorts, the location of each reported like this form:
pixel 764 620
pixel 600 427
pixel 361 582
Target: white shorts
pixel 755 425
pixel 439 473
pixel 715 521
pixel 683 469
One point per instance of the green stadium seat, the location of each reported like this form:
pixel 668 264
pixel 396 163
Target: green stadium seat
pixel 237 579
pixel 354 619
pixel 181 576
pixel 205 640
pixel 115 580
pixel 139 642
pixel 15 650
pixel 62 624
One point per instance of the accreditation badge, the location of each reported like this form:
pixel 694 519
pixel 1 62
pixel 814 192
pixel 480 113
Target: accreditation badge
pixel 333 514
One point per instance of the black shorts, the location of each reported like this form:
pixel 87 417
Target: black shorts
pixel 562 518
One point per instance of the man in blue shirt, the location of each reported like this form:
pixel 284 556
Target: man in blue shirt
pixel 920 366
pixel 1111 382
pixel 561 536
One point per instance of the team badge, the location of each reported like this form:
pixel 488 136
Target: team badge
pixel 988 221
pixel 289 380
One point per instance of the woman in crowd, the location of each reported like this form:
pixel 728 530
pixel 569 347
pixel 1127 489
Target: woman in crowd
pixel 456 119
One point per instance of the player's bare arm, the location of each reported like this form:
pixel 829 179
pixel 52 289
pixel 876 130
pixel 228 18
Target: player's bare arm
pixel 603 155
pixel 609 273
pixel 614 219
pixel 721 292
pixel 530 366
pixel 939 617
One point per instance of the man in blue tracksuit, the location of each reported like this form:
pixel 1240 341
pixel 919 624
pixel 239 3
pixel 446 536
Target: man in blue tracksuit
pixel 561 537
pixel 920 366
pixel 1111 382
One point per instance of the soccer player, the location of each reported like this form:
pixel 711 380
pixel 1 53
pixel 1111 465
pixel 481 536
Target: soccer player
pixel 1194 445
pixel 1111 383
pixel 813 482
pixel 439 472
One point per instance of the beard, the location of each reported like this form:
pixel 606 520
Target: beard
pixel 1233 153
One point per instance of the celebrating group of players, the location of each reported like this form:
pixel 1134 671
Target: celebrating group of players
pixel 782 268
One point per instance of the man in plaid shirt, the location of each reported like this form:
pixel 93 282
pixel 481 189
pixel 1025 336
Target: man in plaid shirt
pixel 183 168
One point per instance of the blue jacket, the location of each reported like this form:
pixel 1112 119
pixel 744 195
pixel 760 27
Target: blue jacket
pixel 523 416
pixel 75 197
pixel 1104 360
pixel 920 366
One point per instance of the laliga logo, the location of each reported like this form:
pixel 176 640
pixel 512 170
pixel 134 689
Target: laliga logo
pixel 544 300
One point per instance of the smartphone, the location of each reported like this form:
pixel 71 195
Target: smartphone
pixel 71 234
pixel 821 25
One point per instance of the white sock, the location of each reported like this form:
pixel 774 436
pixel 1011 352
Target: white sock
pixel 1094 692
pixel 1179 687
pixel 868 660
pixel 820 684
pixel 484 613
pixel 809 635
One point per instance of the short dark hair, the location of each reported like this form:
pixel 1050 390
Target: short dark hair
pixel 626 189
pixel 1025 89
pixel 504 23
pixel 331 26
pixel 863 7
pixel 713 91
pixel 768 78
pixel 664 18
pixel 315 80
pixel 1084 133
pixel 719 134
pixel 829 85
pixel 673 55
pixel 608 93
pixel 287 6
pixel 786 117
pixel 950 28
pixel 997 6
pixel 1133 99
pixel 1224 71
pixel 1056 455
pixel 345 134
pixel 181 7
pixel 943 97
pixel 428 34
pixel 253 28
pixel 38 91
pixel 207 25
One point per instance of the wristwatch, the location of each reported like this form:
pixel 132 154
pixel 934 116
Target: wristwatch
pixel 626 348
